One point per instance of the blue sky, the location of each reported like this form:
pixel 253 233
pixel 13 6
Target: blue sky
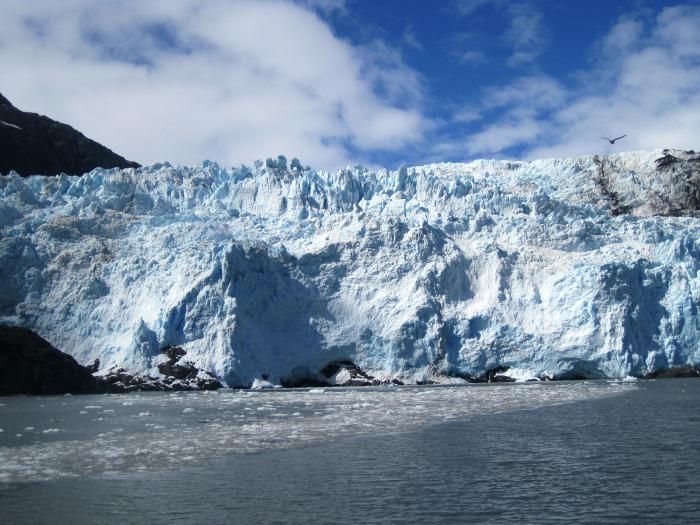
pixel 346 82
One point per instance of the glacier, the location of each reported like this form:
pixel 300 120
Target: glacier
pixel 583 267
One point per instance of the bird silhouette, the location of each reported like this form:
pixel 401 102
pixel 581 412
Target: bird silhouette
pixel 612 141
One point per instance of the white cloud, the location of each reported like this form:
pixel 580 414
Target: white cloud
pixel 645 83
pixel 527 94
pixel 410 39
pixel 514 116
pixel 525 33
pixel 623 37
pixel 651 91
pixel 467 7
pixel 239 80
pixel 325 7
pixel 472 57
pixel 228 80
pixel 466 114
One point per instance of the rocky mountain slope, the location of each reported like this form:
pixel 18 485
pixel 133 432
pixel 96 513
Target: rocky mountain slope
pixel 30 365
pixel 277 274
pixel 32 144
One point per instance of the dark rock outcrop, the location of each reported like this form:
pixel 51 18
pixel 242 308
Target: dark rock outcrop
pixel 346 373
pixel 339 373
pixel 331 370
pixel 679 371
pixel 32 144
pixel 177 375
pixel 30 365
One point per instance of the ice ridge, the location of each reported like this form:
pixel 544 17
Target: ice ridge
pixel 575 267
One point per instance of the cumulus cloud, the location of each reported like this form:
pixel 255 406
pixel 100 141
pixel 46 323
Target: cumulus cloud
pixel 239 80
pixel 228 80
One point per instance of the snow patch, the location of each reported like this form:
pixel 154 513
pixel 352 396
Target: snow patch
pixel 10 125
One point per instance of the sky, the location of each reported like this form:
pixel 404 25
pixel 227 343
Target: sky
pixel 338 83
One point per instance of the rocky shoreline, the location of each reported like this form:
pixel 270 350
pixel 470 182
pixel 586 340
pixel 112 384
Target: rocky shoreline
pixel 30 365
pixel 177 374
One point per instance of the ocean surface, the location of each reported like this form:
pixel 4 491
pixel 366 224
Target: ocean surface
pixel 562 452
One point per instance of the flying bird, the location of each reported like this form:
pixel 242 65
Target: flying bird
pixel 612 141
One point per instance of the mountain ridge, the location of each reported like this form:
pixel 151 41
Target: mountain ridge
pixel 33 144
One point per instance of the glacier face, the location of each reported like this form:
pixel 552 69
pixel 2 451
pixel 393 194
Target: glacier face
pixel 578 267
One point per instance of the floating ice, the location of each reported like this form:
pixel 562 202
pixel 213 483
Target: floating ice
pixel 232 422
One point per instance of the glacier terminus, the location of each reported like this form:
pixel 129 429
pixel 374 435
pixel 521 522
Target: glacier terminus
pixel 269 275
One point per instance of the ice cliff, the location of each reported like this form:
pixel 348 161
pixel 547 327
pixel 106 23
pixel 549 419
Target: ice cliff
pixel 576 267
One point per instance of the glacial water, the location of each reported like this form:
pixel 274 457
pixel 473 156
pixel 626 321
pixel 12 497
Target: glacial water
pixel 562 452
